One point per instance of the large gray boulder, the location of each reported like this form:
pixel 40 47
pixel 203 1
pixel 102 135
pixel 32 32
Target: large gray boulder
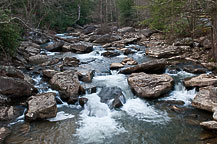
pixel 68 84
pixel 79 47
pixel 54 46
pixel 38 59
pixel 41 106
pixel 150 85
pixel 206 99
pixel 166 52
pixel 155 66
pixel 201 81
pixel 15 87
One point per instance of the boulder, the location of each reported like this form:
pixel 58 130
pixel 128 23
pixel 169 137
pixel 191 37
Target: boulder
pixel 206 98
pixel 113 96
pixel 128 41
pixel 38 59
pixel 8 113
pixel 4 132
pixel 93 38
pixel 11 71
pixel 188 41
pixel 89 29
pixel 166 52
pixel 201 81
pixel 85 75
pixel 15 87
pixel 54 46
pixel 147 32
pixel 4 100
pixel 150 85
pixel 110 54
pixel 154 66
pixel 107 39
pixel 68 84
pixel 71 61
pixel 79 47
pixel 126 29
pixel 212 125
pixel 82 101
pixel 114 66
pixel 41 106
pixel 49 73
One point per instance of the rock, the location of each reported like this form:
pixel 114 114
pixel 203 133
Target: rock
pixel 38 59
pixel 85 75
pixel 150 85
pixel 11 71
pixel 71 61
pixel 41 106
pixel 116 66
pixel 49 73
pixel 4 132
pixel 193 69
pixel 126 29
pixel 104 29
pixel 93 38
pixel 201 81
pixel 173 102
pixel 54 46
pixel 15 87
pixel 110 54
pixel 185 42
pixel 209 125
pixel 207 43
pixel 89 29
pixel 112 93
pixel 107 39
pixel 166 52
pixel 79 47
pixel 67 83
pixel 52 61
pixel 128 41
pixel 4 100
pixel 127 51
pixel 83 101
pixel 8 113
pixel 206 98
pixel 154 66
pixel 147 32
pixel 129 61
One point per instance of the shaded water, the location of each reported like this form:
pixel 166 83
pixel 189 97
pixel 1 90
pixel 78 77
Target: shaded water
pixel 137 122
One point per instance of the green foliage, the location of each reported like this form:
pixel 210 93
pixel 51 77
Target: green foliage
pixel 126 8
pixel 9 33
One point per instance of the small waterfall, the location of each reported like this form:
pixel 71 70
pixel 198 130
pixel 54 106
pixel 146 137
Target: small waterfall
pixel 97 122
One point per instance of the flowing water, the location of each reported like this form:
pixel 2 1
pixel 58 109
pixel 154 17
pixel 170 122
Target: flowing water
pixel 139 121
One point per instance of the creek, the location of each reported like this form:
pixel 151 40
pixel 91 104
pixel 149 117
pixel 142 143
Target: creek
pixel 138 121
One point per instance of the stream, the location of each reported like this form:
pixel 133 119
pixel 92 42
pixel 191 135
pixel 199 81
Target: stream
pixel 138 121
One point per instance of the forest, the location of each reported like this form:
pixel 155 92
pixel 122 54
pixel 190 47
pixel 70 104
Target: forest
pixel 108 71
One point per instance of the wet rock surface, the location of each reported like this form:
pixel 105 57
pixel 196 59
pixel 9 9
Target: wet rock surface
pixel 150 85
pixel 114 94
pixel 41 106
pixel 80 47
pixel 4 132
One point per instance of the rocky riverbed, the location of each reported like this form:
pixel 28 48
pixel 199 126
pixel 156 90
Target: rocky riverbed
pixel 122 86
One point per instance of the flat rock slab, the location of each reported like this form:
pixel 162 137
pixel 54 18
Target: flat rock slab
pixel 38 59
pixel 80 47
pixel 209 125
pixel 206 98
pixel 41 106
pixel 116 66
pixel 166 52
pixel 201 81
pixel 155 66
pixel 150 85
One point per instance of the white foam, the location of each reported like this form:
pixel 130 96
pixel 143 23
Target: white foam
pixel 61 116
pixel 181 93
pixel 181 74
pixel 143 111
pixel 97 122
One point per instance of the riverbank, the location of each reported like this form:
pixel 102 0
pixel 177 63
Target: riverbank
pixel 86 82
